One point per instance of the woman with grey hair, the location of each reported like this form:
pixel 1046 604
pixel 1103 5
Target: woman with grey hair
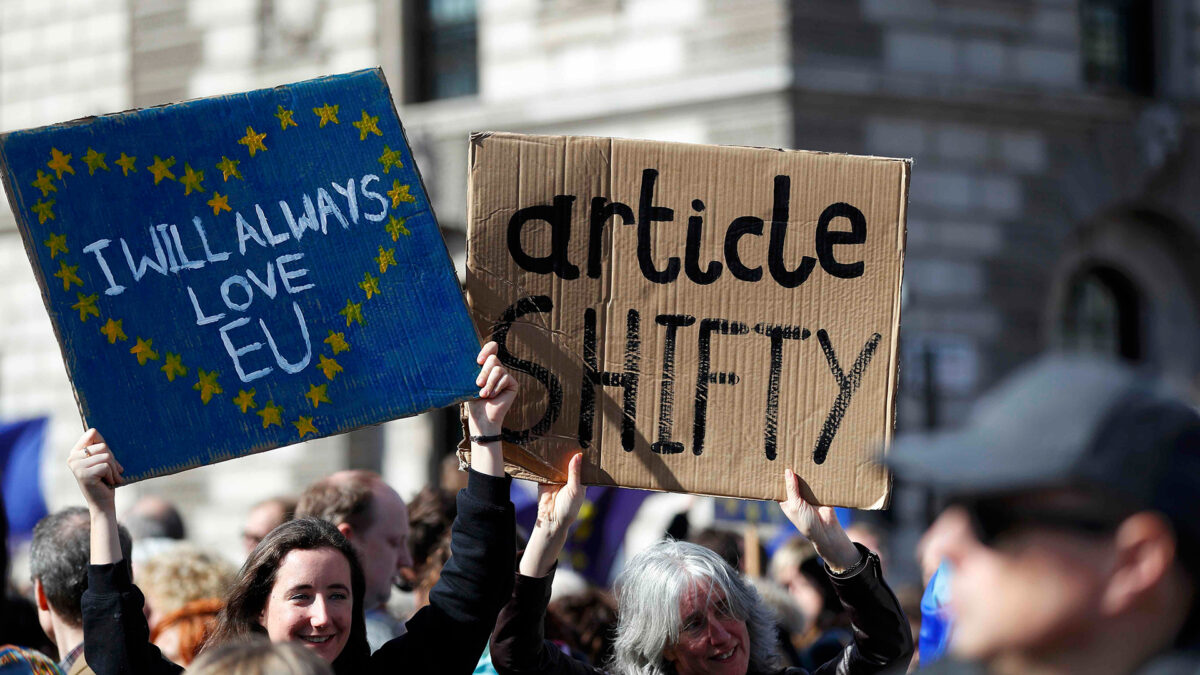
pixel 684 611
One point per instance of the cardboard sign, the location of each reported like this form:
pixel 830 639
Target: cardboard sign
pixel 233 274
pixel 696 318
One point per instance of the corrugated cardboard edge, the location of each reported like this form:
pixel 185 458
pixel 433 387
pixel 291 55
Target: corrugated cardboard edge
pixel 518 462
pixel 894 374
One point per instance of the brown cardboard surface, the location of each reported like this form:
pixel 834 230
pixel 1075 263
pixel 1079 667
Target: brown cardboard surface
pixel 671 365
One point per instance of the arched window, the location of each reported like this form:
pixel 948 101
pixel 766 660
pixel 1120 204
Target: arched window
pixel 1103 314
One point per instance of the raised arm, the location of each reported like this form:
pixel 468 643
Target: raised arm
pixel 98 474
pixel 518 643
pixel 882 637
pixel 449 635
pixel 116 638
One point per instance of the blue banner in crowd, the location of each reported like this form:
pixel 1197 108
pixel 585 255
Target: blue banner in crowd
pixel 20 475
pixel 234 274
pixel 599 532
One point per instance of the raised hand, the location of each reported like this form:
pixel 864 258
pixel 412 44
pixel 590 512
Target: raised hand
pixel 98 474
pixel 558 506
pixel 820 525
pixel 498 389
pixel 96 470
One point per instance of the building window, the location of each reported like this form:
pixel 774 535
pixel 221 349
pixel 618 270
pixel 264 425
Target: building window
pixel 1118 46
pixel 1103 314
pixel 446 62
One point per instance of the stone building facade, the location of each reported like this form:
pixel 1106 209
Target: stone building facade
pixel 1052 197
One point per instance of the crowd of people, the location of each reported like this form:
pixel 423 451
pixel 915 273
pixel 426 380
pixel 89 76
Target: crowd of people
pixel 1066 542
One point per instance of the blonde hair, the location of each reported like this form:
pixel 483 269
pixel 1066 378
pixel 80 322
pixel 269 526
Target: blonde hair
pixel 183 574
pixel 259 657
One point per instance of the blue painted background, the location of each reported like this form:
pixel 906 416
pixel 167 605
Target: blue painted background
pixel 413 349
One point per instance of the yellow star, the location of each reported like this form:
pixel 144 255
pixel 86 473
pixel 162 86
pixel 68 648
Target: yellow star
pixel 245 400
pixel 316 394
pixel 112 329
pixel 191 180
pixel 385 259
pixel 253 141
pixel 68 275
pixel 44 183
pixel 395 227
pixel 60 163
pixel 229 168
pixel 327 113
pixel 390 158
pixel 337 341
pixel 44 210
pixel 353 312
pixel 304 426
pixel 94 160
pixel 144 351
pixel 367 125
pixel 126 164
pixel 285 119
pixel 174 366
pixel 86 305
pixel 56 243
pixel 207 385
pixel 161 168
pixel 370 285
pixel 219 202
pixel 399 193
pixel 271 414
pixel 329 366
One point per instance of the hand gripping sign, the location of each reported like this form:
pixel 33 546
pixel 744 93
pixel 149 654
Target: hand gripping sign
pixel 695 318
pixel 234 274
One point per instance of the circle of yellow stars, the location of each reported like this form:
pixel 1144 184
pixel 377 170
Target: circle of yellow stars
pixel 191 179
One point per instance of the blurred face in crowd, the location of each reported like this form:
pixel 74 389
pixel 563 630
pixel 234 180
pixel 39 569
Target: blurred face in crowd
pixel 711 640
pixel 311 602
pixel 259 522
pixel 382 545
pixel 807 596
pixel 1028 577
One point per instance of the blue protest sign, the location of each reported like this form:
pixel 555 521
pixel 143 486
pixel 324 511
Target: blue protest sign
pixel 233 274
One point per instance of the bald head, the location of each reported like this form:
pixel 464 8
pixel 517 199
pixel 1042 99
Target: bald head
pixel 372 516
pixel 154 517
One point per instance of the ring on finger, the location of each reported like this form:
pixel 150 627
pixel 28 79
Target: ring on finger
pixel 87 451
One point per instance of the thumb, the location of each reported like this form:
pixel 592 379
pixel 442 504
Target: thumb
pixel 573 471
pixel 793 487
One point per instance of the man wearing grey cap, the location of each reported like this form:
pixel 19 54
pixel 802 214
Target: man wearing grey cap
pixel 1072 525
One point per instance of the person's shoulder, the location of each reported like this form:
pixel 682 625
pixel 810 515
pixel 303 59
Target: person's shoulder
pixel 16 660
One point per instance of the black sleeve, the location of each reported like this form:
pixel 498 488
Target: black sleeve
pixel 882 638
pixel 449 635
pixel 116 638
pixel 518 643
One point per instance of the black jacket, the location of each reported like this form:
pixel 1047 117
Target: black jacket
pixel 882 639
pixel 447 636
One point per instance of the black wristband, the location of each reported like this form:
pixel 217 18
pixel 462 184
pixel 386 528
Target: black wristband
pixel 487 438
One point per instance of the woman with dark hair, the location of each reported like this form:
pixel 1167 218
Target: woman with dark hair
pixel 304 584
pixel 248 599
pixel 683 610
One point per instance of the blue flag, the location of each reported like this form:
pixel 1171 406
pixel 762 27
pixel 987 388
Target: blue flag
pixel 233 274
pixel 20 475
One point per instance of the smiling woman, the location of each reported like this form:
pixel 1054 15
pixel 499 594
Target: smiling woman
pixel 303 583
pixel 300 584
pixel 684 611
